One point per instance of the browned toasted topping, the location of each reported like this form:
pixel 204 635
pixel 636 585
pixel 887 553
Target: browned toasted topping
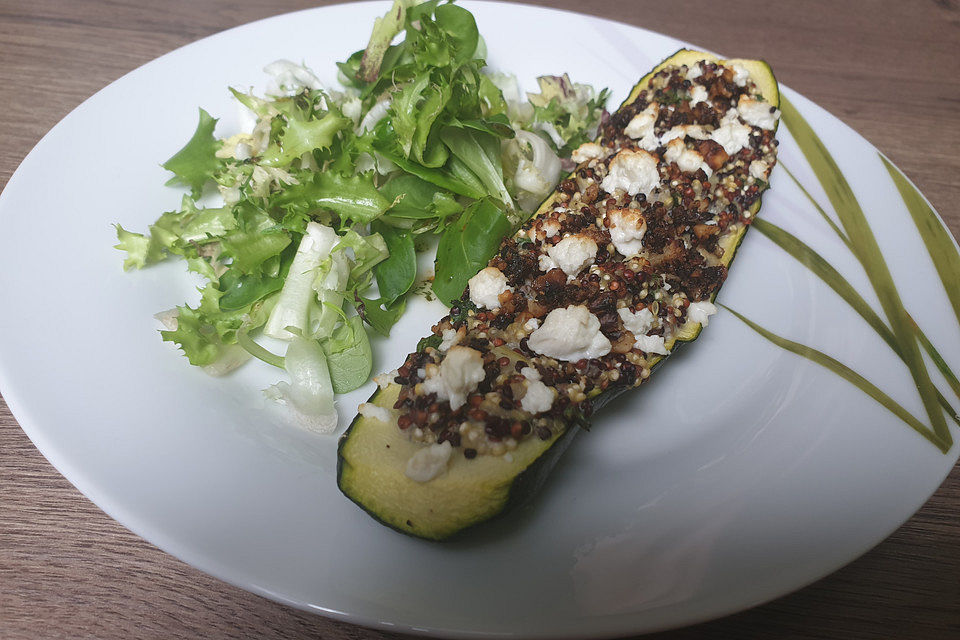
pixel 659 249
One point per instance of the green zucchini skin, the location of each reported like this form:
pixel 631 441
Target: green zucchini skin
pixel 411 508
pixel 518 486
pixel 524 486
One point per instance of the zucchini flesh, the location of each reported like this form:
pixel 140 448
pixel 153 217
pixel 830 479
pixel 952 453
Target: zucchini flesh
pixel 373 454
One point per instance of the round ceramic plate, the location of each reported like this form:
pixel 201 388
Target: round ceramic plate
pixel 741 472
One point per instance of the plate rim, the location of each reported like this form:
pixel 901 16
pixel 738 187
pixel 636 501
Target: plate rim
pixel 60 461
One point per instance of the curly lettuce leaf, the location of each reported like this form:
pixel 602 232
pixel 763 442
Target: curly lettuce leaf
pixel 302 136
pixel 196 162
pixel 141 250
pixel 355 198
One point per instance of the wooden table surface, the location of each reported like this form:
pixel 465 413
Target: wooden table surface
pixel 890 69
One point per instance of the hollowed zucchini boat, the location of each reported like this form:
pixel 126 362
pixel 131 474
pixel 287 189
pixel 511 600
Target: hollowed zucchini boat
pixel 661 255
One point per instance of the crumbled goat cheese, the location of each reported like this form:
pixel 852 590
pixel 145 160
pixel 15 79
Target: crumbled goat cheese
pixel 637 323
pixel 458 374
pixel 531 324
pixel 758 113
pixel 652 344
pixel 627 227
pixel 538 398
pixel 687 160
pixel 486 287
pixel 551 227
pixel 429 462
pixel 530 373
pixel 372 411
pixel 698 94
pixel 681 131
pixel 383 380
pixel 642 124
pixel 571 334
pixel 701 312
pixel 588 151
pixel 546 262
pixel 740 74
pixel 573 253
pixel 633 171
pixel 732 136
pixel 449 338
pixel 694 72
pixel 649 142
pixel 759 169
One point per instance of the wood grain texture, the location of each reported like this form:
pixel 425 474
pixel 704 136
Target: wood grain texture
pixel 889 69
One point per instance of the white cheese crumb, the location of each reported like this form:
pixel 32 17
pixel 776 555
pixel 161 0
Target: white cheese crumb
pixel 372 411
pixel 383 380
pixel 701 312
pixel 573 253
pixel 759 169
pixel 649 142
pixel 486 287
pixel 570 334
pixel 740 74
pixel 449 337
pixel 546 262
pixel 639 324
pixel 642 124
pixel 530 373
pixel 652 344
pixel 531 324
pixel 758 113
pixel 538 398
pixel 551 227
pixel 687 160
pixel 681 131
pixel 429 462
pixel 694 72
pixel 627 227
pixel 698 94
pixel 588 151
pixel 732 136
pixel 458 374
pixel 633 171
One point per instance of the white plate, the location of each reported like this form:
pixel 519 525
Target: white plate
pixel 741 473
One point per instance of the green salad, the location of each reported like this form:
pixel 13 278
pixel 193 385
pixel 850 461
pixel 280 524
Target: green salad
pixel 329 195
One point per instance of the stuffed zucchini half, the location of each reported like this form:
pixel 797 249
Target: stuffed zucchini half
pixel 617 269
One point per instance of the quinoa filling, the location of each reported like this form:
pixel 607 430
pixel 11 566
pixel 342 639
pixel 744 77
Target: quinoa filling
pixel 586 297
